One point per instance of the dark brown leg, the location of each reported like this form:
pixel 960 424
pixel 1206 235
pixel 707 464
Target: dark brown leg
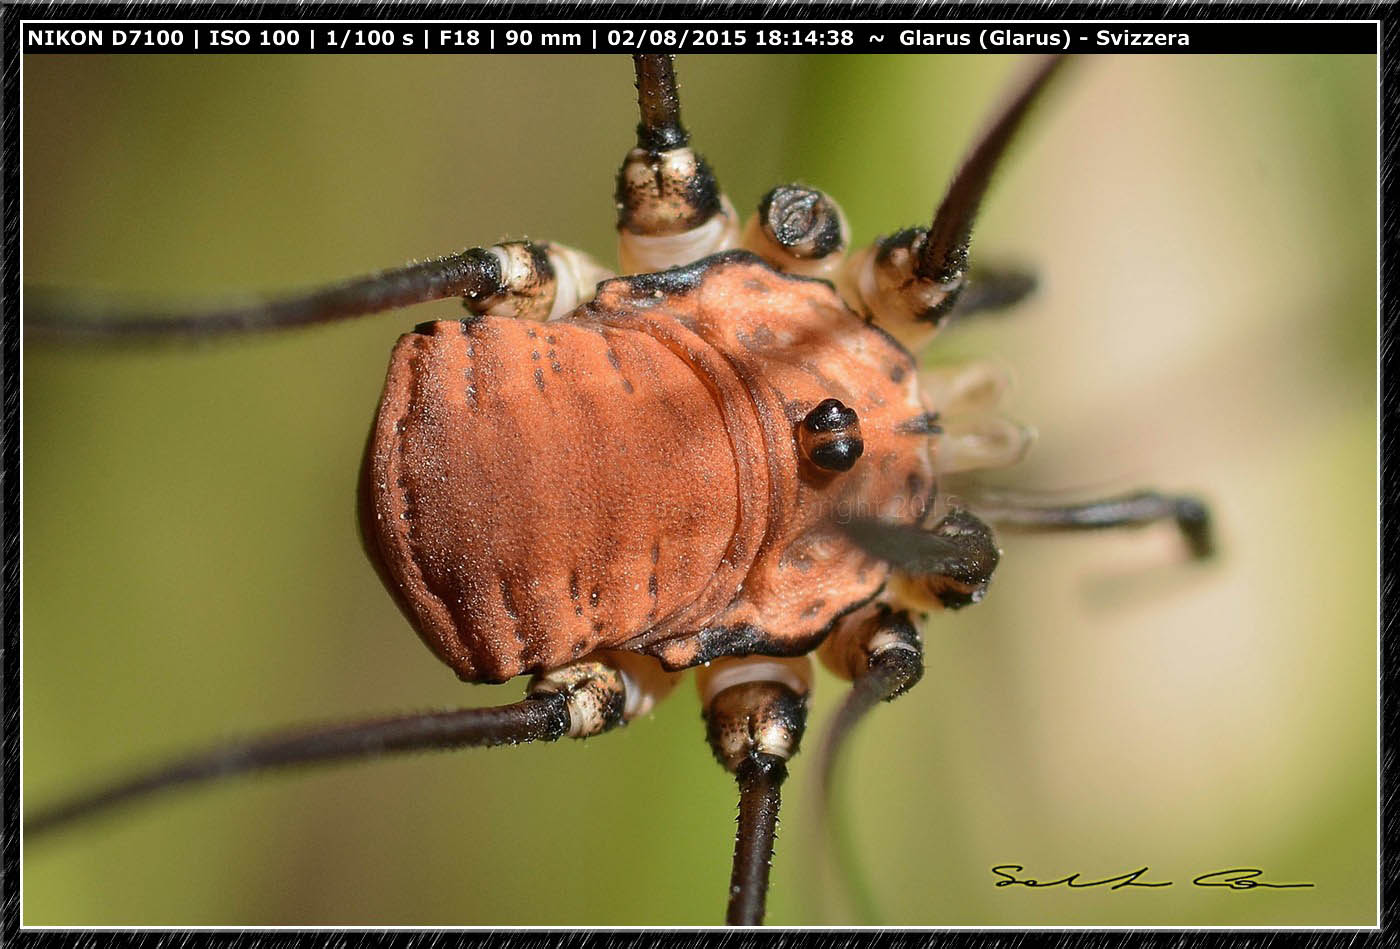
pixel 516 279
pixel 1129 510
pixel 760 795
pixel 943 254
pixel 990 289
pixel 659 103
pixel 910 281
pixel 579 700
pixel 884 658
pixel 755 711
pixel 68 315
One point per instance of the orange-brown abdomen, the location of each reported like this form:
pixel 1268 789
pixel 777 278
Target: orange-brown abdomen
pixel 528 485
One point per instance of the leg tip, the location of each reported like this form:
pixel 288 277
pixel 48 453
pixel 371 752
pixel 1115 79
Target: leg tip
pixel 1193 517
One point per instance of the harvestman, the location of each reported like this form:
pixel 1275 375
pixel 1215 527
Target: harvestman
pixel 729 458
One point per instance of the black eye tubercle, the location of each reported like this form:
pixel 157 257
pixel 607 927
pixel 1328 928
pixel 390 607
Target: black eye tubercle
pixel 829 437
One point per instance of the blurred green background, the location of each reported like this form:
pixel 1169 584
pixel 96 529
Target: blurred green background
pixel 1205 227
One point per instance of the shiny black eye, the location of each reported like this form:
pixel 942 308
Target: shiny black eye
pixel 829 437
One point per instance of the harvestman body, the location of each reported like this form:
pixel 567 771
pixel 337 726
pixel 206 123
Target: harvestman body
pixel 725 459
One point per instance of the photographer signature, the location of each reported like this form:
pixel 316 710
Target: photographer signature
pixel 1236 878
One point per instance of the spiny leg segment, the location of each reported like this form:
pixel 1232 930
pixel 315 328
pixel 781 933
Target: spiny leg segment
pixel 579 700
pixel 76 316
pixel 942 258
pixel 517 278
pixel 755 712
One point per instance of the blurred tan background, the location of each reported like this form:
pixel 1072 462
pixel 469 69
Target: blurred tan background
pixel 1205 228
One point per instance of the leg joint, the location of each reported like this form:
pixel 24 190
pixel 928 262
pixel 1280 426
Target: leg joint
pixel 755 709
pixel 595 695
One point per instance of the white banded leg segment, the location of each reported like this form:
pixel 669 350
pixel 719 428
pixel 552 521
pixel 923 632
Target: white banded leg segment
pixel 876 638
pixel 644 680
pixel 594 691
pixel 799 230
pixel 534 281
pixel 754 705
pixel 650 252
pixel 605 689
pixel 670 210
pixel 884 283
pixel 576 275
pixel 879 651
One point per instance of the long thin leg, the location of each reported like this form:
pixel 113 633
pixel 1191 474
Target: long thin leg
pixel 75 316
pixel 1129 510
pixel 910 281
pixel 578 700
pixel 519 279
pixel 755 712
pixel 883 656
pixel 943 256
pixel 533 719
pixel 760 795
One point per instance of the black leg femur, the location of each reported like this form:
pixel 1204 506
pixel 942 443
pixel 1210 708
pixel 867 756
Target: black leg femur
pixel 579 700
pixel 879 650
pixel 1140 508
pixel 75 316
pixel 519 279
pixel 943 256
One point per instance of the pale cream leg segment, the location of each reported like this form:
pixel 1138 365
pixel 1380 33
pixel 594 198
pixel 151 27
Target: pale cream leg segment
pixel 974 434
pixel 605 689
pixel 670 209
pixel 537 281
pixel 881 282
pixel 648 253
pixel 578 276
